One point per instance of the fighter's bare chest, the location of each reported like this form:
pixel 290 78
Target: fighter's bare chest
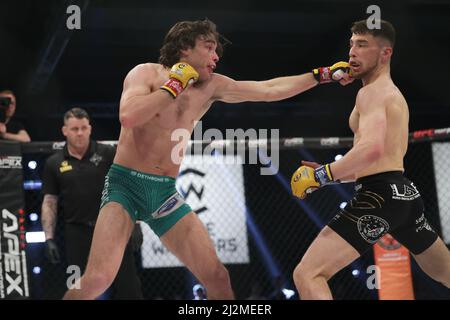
pixel 185 109
pixel 354 120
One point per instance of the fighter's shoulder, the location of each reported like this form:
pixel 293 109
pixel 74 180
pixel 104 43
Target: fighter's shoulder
pixel 221 81
pixel 219 78
pixel 381 94
pixel 145 68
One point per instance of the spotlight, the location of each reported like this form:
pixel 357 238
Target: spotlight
pixel 34 216
pixel 355 273
pixel 288 293
pixel 36 270
pixel 32 165
pixel 35 236
pixel 342 205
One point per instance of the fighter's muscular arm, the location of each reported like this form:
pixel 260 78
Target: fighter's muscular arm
pixel 232 91
pixel 138 103
pixel 49 215
pixel 372 133
pixel 315 165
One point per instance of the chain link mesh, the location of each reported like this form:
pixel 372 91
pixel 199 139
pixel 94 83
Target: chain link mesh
pixel 278 229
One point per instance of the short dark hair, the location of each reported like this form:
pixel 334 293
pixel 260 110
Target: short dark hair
pixel 76 113
pixel 386 30
pixel 182 36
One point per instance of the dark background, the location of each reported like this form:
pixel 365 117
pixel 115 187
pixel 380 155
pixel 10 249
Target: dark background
pixel 52 68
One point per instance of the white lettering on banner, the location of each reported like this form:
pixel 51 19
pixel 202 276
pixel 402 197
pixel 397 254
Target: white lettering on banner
pixel 12 262
pixel 11 162
pixel 58 145
pixel 2 287
pixel 332 141
pixel 25 273
pixel 215 184
pixel 442 131
pixel 13 242
pixel 294 142
pixel 14 275
pixel 14 284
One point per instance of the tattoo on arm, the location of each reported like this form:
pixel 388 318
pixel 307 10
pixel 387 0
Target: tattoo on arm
pixel 49 215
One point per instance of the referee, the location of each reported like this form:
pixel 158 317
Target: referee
pixel 74 177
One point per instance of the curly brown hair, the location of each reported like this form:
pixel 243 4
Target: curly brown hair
pixel 182 36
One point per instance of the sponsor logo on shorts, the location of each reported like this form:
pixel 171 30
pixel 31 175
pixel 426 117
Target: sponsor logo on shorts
pixel 169 206
pixel 372 228
pixel 149 177
pixel 105 192
pixel 405 192
pixel 422 223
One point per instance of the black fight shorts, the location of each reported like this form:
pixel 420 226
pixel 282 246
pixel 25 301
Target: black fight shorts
pixel 384 203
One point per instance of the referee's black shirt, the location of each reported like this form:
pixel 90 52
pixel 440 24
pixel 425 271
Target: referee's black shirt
pixel 78 183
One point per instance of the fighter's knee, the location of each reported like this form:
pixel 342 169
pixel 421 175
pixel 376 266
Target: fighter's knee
pixel 218 274
pixel 300 274
pixel 304 273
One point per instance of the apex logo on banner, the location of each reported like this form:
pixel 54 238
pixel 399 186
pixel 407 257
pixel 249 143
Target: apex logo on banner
pixel 13 262
pixel 13 266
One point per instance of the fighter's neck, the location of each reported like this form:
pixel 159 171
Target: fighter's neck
pixel 379 73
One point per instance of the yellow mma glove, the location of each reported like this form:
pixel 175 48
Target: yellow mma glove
pixel 331 74
pixel 306 180
pixel 180 76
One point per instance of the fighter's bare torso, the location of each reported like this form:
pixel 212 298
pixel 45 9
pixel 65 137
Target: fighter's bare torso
pixel 390 100
pixel 148 148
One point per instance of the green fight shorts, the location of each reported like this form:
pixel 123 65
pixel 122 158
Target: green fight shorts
pixel 146 197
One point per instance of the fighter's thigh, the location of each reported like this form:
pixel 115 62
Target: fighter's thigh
pixel 189 240
pixel 112 231
pixel 328 254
